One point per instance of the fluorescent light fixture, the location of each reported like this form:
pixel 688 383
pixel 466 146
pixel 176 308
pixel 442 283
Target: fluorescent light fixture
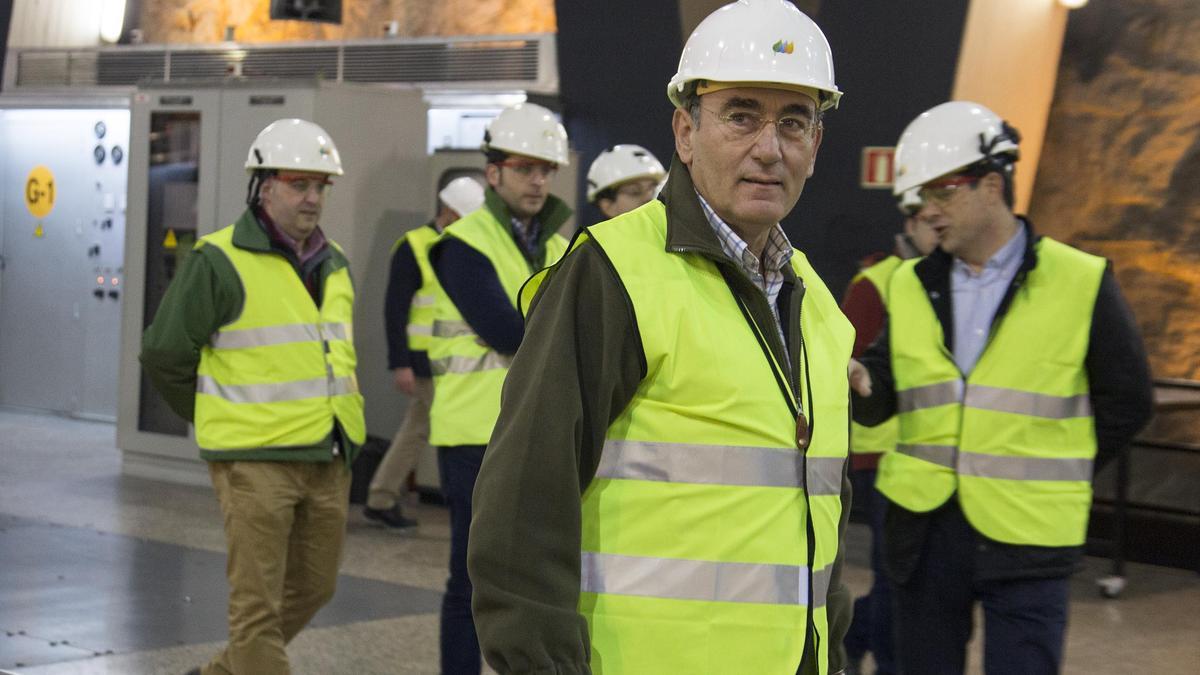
pixel 1072 4
pixel 112 20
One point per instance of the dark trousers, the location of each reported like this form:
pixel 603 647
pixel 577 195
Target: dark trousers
pixel 1025 620
pixel 458 467
pixel 871 629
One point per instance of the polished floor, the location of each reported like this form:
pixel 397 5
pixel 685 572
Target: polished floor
pixel 103 573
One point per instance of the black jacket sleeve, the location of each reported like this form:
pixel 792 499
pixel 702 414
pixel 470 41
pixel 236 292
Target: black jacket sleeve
pixel 469 279
pixel 578 368
pixel 881 404
pixel 1119 380
pixel 404 280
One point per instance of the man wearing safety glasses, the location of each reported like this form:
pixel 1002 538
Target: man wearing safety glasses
pixel 253 344
pixel 623 178
pixel 666 487
pixel 481 261
pixel 1015 368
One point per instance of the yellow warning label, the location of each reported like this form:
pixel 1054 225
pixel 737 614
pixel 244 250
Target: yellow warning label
pixel 39 192
pixel 38 232
pixel 170 242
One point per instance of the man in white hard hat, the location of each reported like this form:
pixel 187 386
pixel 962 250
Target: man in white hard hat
pixel 481 261
pixel 666 487
pixel 1016 369
pixel 623 178
pixel 252 343
pixel 865 305
pixel 408 317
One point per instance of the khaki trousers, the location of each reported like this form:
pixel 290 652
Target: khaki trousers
pixel 390 483
pixel 284 527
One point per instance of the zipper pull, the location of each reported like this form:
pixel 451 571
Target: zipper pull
pixel 802 431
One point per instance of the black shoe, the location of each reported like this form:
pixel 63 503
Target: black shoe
pixel 193 671
pixel 393 517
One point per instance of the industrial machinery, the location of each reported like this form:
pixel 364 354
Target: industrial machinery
pixel 62 231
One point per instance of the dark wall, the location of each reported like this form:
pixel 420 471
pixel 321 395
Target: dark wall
pixel 6 7
pixel 614 60
pixel 893 60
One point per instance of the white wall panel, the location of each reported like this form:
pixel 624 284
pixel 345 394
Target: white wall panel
pixel 55 23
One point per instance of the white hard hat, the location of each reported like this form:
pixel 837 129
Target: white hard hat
pixel 463 194
pixel 622 163
pixel 910 201
pixel 528 129
pixel 296 145
pixel 758 42
pixel 949 137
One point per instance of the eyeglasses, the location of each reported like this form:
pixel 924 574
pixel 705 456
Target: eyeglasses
pixel 525 168
pixel 302 184
pixel 942 191
pixel 638 189
pixel 742 125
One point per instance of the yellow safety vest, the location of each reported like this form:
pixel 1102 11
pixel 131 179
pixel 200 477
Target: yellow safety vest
pixel 279 374
pixel 695 541
pixel 468 376
pixel 881 438
pixel 1016 439
pixel 420 313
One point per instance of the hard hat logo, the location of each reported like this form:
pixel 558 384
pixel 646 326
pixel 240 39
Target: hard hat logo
pixel 783 47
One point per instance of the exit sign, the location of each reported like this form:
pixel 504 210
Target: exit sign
pixel 878 167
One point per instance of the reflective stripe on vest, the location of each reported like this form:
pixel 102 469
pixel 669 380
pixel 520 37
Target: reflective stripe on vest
pixel 1001 467
pixel 719 465
pixel 701 580
pixel 277 335
pixel 420 313
pixel 1017 439
pixel 281 373
pixel 468 376
pixel 994 398
pixel 276 392
pixel 881 437
pixel 694 528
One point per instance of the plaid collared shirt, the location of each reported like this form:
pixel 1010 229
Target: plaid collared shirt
pixel 527 236
pixel 767 273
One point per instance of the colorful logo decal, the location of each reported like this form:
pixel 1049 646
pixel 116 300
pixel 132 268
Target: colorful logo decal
pixel 783 47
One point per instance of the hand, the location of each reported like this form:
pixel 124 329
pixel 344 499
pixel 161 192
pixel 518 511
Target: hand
pixel 860 378
pixel 404 380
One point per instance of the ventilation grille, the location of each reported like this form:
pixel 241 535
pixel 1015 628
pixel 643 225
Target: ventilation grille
pixel 504 59
pixel 127 68
pixel 318 62
pixel 436 62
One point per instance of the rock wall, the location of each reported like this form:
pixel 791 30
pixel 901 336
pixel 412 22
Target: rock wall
pixel 204 21
pixel 1120 171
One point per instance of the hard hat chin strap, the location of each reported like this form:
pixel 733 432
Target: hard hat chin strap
pixel 1007 133
pixel 256 181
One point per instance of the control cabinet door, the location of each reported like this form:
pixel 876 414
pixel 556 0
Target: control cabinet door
pixel 59 324
pixel 173 172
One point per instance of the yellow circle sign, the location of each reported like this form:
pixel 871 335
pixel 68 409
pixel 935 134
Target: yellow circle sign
pixel 39 192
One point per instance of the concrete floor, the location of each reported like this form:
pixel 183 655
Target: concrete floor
pixel 105 573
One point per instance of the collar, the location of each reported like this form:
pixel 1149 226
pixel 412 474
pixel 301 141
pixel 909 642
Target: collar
pixel 552 216
pixel 688 228
pixel 776 252
pixel 937 265
pixel 1005 257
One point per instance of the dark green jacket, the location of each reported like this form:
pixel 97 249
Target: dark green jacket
pixel 577 369
pixel 205 295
